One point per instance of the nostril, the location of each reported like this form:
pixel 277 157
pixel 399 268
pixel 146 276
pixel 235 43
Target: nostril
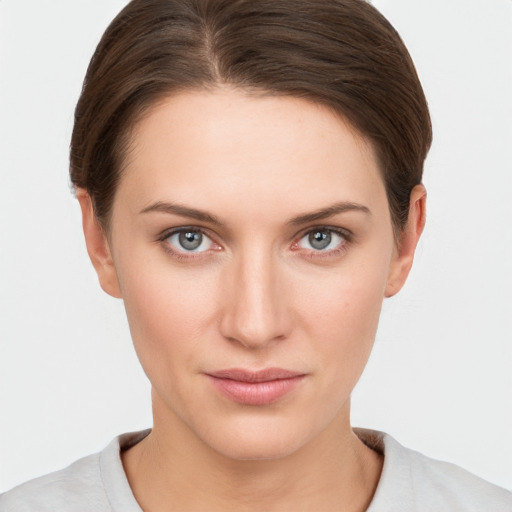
pixel 257 335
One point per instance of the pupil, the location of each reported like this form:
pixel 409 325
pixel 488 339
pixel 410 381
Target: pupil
pixel 320 239
pixel 190 240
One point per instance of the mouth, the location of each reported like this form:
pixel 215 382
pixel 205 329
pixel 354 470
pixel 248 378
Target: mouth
pixel 261 387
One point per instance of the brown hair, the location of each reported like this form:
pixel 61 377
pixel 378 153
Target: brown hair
pixel 340 53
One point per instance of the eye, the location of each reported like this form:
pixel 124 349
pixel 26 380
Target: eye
pixel 322 239
pixel 189 240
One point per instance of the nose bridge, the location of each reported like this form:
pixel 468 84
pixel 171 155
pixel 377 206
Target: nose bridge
pixel 256 312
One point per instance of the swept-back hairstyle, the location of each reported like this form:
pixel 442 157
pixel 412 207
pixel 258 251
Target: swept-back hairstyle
pixel 340 53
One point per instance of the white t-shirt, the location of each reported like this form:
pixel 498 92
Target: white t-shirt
pixel 410 482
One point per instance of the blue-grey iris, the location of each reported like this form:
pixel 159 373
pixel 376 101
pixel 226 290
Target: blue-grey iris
pixel 320 239
pixel 190 240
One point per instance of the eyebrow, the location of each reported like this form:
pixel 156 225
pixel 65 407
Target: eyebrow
pixel 185 211
pixel 330 211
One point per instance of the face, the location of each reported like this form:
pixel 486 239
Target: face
pixel 253 246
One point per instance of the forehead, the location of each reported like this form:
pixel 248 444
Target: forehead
pixel 226 148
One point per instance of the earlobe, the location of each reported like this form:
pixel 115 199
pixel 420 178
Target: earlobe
pixel 404 256
pixel 98 246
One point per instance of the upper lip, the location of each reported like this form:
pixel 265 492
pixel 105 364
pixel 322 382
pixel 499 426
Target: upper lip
pixel 265 375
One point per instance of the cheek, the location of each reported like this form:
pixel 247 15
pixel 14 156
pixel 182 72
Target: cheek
pixel 340 313
pixel 168 311
pixel 347 299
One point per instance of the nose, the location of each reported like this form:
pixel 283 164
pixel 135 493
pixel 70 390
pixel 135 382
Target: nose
pixel 255 312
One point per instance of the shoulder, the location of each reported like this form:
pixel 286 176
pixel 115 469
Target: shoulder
pixel 96 483
pixel 411 481
pixel 449 487
pixel 78 486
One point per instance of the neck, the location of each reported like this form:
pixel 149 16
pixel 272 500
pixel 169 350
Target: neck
pixel 172 469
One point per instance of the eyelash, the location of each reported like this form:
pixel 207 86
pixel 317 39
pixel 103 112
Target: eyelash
pixel 342 247
pixel 346 235
pixel 183 255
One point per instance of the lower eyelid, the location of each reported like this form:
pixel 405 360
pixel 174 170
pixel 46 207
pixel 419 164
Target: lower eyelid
pixel 182 254
pixel 319 255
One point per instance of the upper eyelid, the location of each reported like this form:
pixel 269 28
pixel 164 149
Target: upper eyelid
pixel 166 233
pixel 346 233
pixel 206 231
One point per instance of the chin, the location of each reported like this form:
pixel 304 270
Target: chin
pixel 257 449
pixel 258 440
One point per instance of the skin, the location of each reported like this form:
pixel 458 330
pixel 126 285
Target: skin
pixel 256 295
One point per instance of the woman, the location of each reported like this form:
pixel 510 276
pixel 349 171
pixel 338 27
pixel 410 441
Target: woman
pixel 249 175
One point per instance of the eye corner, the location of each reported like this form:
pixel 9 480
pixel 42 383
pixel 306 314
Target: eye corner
pixel 295 245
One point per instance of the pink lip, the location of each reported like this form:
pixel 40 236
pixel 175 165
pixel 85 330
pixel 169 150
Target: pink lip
pixel 255 388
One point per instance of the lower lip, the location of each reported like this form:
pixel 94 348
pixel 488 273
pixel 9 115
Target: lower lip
pixel 255 393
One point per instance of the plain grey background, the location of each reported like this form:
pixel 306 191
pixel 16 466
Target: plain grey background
pixel 440 377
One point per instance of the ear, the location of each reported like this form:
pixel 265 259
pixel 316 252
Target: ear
pixel 98 246
pixel 410 235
